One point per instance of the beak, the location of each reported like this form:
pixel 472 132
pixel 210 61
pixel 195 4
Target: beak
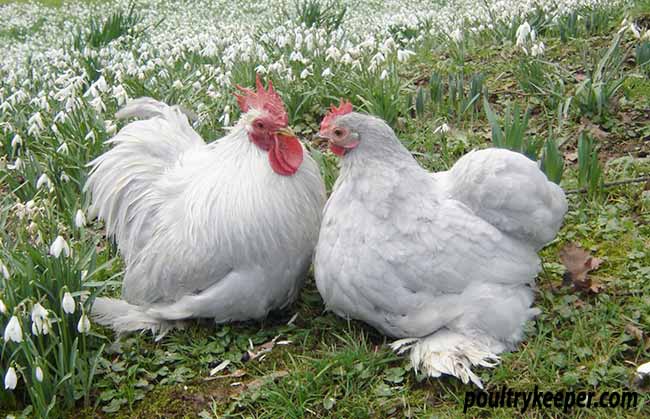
pixel 320 138
pixel 287 132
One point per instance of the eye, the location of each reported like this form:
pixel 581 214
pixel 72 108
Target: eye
pixel 338 132
pixel 259 125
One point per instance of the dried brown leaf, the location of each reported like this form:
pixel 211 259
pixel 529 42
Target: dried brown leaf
pixel 578 263
pixel 635 332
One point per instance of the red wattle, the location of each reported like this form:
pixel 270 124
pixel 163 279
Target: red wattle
pixel 337 149
pixel 285 155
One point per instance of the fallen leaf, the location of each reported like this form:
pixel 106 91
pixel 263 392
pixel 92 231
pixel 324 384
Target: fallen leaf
pixel 634 331
pixel 593 129
pixel 571 156
pixel 580 76
pixel 578 263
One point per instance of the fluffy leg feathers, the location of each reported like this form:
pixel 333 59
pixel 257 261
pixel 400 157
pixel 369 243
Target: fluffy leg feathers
pixel 447 352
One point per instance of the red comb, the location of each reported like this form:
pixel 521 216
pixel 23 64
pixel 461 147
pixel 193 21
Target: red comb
pixel 262 99
pixel 344 107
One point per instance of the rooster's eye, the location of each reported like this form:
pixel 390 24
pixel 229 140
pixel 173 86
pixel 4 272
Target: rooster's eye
pixel 338 132
pixel 259 125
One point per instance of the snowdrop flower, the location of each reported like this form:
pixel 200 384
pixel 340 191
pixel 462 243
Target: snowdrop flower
pixel 4 271
pixel 79 219
pixel 404 54
pixel 522 33
pixel 443 129
pixel 11 379
pixel 84 324
pixel 177 84
pixel 13 331
pixel 332 53
pixel 347 59
pixel 64 177
pixel 120 94
pixel 58 246
pixel 18 165
pixel 44 180
pixel 63 148
pixel 40 320
pixel 39 374
pixel 457 35
pixel 110 127
pixel 98 104
pixel 305 73
pixel 383 75
pixel 3 308
pixel 16 141
pixel 68 303
pixel 326 73
pixel 537 49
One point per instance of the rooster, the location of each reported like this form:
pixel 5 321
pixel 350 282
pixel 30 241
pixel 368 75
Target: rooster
pixel 224 230
pixel 444 261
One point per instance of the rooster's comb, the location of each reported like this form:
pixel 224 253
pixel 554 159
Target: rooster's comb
pixel 263 99
pixel 344 107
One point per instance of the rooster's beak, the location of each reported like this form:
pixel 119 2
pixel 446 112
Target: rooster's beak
pixel 287 132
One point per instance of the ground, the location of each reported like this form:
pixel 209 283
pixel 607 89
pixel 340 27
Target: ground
pixel 306 362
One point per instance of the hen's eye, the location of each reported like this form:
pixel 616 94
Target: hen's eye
pixel 338 132
pixel 259 125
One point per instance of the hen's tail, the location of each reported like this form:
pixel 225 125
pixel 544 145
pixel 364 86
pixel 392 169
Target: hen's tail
pixel 123 317
pixel 447 352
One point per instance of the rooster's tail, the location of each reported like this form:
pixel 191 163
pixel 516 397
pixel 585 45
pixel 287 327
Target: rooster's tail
pixel 448 352
pixel 123 317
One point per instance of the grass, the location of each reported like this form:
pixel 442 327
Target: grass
pixel 327 366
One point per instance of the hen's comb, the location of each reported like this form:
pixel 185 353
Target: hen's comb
pixel 263 99
pixel 344 107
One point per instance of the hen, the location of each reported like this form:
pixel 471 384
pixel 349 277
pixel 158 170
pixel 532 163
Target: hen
pixel 446 261
pixel 224 230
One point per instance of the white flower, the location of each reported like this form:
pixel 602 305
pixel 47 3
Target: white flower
pixel 84 324
pixel 11 379
pixel 79 219
pixel 4 271
pixel 522 33
pixel 63 148
pixel 444 128
pixel 305 73
pixel 457 35
pixel 383 75
pixel 39 374
pixel 98 104
pixel 643 370
pixel 177 84
pixel 404 54
pixel 68 303
pixel 326 73
pixel 58 246
pixel 44 180
pixel 3 308
pixel 13 331
pixel 537 49
pixel 16 141
pixel 18 164
pixel 40 320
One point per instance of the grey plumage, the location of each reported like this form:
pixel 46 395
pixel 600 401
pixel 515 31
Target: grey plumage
pixel 446 261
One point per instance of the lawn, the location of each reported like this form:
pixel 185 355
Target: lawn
pixel 566 82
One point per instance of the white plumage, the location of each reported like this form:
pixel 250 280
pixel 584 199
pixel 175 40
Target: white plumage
pixel 445 261
pixel 206 230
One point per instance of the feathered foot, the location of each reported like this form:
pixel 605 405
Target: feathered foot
pixel 447 352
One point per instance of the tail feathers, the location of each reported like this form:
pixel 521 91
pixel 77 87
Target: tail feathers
pixel 123 317
pixel 447 352
pixel 146 107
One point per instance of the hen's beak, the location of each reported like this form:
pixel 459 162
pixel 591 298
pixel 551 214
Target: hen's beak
pixel 287 132
pixel 320 138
